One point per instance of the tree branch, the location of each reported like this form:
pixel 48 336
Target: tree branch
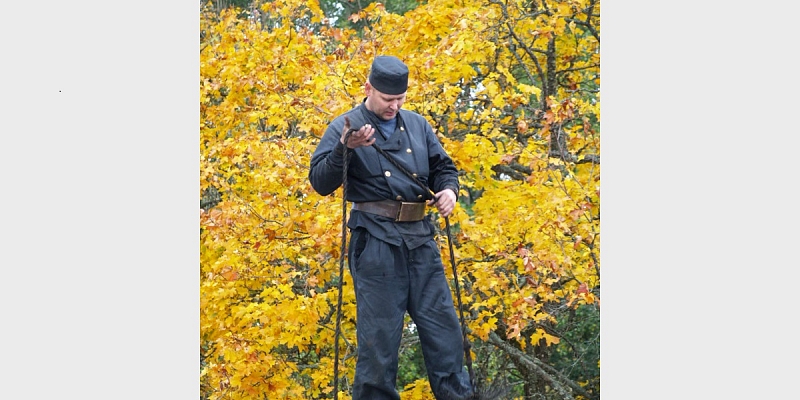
pixel 515 171
pixel 542 370
pixel 589 158
pixel 585 25
pixel 532 364
pixel 527 50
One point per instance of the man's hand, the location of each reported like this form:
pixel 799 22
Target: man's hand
pixel 446 202
pixel 359 138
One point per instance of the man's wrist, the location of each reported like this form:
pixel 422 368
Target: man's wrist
pixel 453 189
pixel 339 149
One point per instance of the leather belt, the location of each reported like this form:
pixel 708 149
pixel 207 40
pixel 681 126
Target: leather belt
pixel 400 211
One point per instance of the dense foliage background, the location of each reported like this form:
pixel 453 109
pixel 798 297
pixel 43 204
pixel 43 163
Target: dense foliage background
pixel 512 89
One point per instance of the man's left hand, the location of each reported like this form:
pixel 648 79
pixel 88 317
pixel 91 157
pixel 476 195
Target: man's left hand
pixel 446 202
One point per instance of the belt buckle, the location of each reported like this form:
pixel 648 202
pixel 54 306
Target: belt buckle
pixel 406 212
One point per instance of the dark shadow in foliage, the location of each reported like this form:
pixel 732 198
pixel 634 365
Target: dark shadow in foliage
pixel 211 197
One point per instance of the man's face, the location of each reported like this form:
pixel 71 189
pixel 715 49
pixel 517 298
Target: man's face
pixel 383 105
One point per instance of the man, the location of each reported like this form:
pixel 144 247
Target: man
pixel 393 258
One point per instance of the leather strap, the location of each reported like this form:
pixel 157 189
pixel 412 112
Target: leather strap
pixel 400 211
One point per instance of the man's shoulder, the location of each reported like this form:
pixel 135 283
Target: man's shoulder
pixel 412 116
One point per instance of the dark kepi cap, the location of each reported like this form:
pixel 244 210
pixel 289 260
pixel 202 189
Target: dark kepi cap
pixel 389 75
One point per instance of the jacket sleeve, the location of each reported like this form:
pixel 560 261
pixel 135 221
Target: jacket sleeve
pixel 327 162
pixel 443 172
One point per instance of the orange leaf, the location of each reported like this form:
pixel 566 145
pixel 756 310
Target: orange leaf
pixel 582 289
pixel 229 273
pixel 522 126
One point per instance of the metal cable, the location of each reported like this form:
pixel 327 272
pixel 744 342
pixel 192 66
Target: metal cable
pixel 347 155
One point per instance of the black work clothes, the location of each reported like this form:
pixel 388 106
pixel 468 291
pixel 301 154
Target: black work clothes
pixel 390 280
pixel 396 266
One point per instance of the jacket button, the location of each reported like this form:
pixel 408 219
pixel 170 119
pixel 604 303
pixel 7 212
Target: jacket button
pixel 414 175
pixel 408 150
pixel 399 198
pixel 401 128
pixel 387 173
pixel 419 196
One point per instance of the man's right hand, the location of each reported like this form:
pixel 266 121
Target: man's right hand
pixel 359 138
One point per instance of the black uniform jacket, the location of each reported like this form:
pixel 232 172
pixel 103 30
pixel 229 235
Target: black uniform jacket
pixel 371 177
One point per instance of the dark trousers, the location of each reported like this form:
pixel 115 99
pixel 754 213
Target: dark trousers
pixel 390 281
